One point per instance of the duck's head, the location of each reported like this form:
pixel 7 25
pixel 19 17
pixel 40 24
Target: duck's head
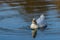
pixel 34 21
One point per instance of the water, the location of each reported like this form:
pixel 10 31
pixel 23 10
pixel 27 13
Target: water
pixel 14 23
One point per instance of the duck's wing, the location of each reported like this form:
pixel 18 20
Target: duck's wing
pixel 38 20
pixel 41 19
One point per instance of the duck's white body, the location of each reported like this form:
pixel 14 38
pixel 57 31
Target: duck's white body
pixel 41 21
pixel 34 24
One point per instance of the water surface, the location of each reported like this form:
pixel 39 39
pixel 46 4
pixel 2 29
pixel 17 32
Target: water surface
pixel 15 20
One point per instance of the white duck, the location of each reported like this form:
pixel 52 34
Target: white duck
pixel 41 22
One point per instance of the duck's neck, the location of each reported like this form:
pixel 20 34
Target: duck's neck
pixel 34 22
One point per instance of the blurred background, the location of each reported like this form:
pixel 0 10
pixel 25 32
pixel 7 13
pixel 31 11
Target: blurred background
pixel 16 17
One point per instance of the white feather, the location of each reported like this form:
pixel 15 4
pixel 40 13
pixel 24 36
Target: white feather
pixel 41 21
